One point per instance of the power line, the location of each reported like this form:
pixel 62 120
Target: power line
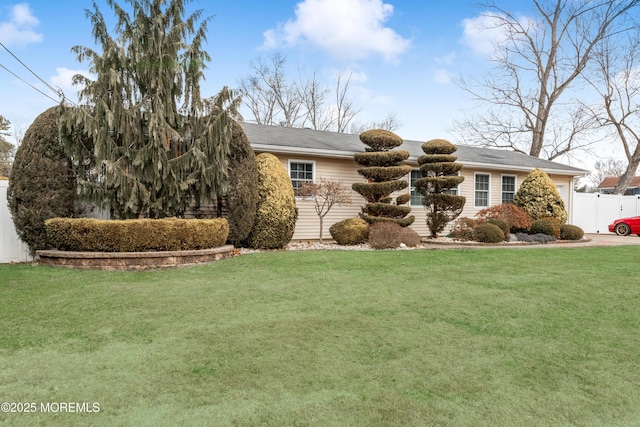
pixel 32 86
pixel 57 92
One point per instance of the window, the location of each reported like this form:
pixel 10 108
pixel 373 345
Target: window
pixel 416 197
pixel 508 188
pixel 300 172
pixel 482 190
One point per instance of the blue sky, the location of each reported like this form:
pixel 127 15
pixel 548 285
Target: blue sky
pixel 403 53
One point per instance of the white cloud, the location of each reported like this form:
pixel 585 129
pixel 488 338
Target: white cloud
pixel 348 29
pixel 64 80
pixel 19 30
pixel 484 33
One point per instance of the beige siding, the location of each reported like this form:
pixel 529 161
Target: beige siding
pixel 344 170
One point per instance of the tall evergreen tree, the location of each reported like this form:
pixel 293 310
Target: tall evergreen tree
pixel 439 175
pixel 156 145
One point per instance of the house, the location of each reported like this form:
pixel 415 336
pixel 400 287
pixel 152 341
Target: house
pixel 491 176
pixel 607 186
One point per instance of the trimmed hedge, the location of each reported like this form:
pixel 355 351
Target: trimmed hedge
pixel 438 146
pixel 380 139
pixel 351 231
pixel 135 235
pixel 488 233
pixel 384 173
pixel 277 213
pixel 376 191
pixel 386 210
pixel 571 232
pixel 381 158
pixel 548 226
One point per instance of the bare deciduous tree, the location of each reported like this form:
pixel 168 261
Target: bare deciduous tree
pixel 605 168
pixel 325 194
pixel 273 99
pixel 618 84
pixel 391 122
pixel 539 59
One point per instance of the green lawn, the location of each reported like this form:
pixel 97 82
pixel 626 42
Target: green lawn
pixel 490 337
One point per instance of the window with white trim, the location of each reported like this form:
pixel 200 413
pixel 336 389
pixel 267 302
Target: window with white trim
pixel 300 173
pixel 482 190
pixel 416 197
pixel 508 188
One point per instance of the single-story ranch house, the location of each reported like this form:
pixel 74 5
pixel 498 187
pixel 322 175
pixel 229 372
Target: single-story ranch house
pixel 491 176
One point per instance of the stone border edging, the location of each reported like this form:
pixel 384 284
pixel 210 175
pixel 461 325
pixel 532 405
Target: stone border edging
pixel 122 261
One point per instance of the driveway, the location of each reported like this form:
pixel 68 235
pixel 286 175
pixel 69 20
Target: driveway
pixel 610 240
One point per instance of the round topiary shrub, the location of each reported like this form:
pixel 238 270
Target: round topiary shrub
pixel 42 183
pixel 276 212
pixel 351 231
pixel 502 224
pixel 548 226
pixel 488 233
pixel 571 232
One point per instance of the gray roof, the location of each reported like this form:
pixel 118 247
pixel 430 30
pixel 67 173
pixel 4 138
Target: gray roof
pixel 286 140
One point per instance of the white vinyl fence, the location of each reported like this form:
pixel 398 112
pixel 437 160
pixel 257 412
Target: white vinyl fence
pixel 12 249
pixel 594 212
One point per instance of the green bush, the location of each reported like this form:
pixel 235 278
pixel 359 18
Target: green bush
pixel 403 199
pixel 389 235
pixel 539 197
pixel 136 235
pixel 42 183
pixel 548 226
pixel 384 173
pixel 571 232
pixel 488 233
pixel 376 191
pixel 439 147
pixel 502 224
pixel 276 213
pixel 351 231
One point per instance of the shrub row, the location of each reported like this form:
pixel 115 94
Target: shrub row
pixel 136 235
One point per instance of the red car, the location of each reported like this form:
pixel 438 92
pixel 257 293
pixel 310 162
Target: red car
pixel 626 226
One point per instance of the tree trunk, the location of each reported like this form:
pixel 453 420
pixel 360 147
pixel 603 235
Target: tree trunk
pixel 627 176
pixel 321 218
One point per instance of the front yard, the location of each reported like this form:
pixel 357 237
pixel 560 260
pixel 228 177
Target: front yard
pixel 492 337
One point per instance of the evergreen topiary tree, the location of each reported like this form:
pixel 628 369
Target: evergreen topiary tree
pixel 156 144
pixel 276 213
pixel 539 197
pixel 42 183
pixel 383 169
pixel 439 175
